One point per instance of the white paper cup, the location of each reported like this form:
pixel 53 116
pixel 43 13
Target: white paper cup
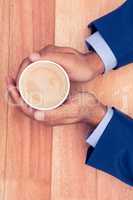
pixel 43 64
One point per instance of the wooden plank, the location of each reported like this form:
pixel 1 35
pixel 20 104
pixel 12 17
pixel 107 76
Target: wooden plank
pixel 71 179
pixel 28 160
pixel 4 38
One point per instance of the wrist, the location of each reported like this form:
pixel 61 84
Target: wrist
pixel 100 112
pixel 97 115
pixel 95 64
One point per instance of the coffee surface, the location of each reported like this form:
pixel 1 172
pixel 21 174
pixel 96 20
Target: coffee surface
pixel 43 85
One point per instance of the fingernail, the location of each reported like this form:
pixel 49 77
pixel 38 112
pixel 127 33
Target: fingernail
pixel 38 115
pixel 35 57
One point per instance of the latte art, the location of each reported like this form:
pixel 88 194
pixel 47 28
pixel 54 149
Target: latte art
pixel 44 85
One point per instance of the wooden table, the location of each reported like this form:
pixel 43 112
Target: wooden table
pixel 39 162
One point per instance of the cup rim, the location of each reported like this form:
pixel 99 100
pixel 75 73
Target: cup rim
pixel 52 107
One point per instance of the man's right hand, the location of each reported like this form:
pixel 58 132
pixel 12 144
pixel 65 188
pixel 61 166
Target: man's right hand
pixel 80 67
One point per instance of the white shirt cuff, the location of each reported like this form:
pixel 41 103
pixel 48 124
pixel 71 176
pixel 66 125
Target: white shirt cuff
pixel 97 133
pixel 97 42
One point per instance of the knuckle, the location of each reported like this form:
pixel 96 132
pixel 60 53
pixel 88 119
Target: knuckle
pixel 25 61
pixel 48 117
pixel 46 50
pixel 49 47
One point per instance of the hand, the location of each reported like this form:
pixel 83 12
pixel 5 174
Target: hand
pixel 80 67
pixel 80 107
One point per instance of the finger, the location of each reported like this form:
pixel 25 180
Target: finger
pixel 34 57
pixel 18 101
pixel 66 50
pixel 11 86
pixel 58 49
pixel 22 66
pixel 55 117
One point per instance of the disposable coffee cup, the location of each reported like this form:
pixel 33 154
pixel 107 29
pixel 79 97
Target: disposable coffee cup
pixel 44 85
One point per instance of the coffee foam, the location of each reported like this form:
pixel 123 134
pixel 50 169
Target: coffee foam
pixel 44 85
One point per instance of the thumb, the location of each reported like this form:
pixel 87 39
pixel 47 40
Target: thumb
pixel 57 116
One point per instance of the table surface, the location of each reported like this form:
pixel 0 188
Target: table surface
pixel 39 162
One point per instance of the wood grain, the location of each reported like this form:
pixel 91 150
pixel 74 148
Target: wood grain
pixel 4 62
pixel 29 144
pixel 71 179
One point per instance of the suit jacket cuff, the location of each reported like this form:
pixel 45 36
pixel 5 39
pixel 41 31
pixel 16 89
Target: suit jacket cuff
pixel 97 43
pixel 113 152
pixel 97 133
pixel 117 30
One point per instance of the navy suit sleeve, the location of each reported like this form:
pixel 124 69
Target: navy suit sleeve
pixel 113 153
pixel 117 30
